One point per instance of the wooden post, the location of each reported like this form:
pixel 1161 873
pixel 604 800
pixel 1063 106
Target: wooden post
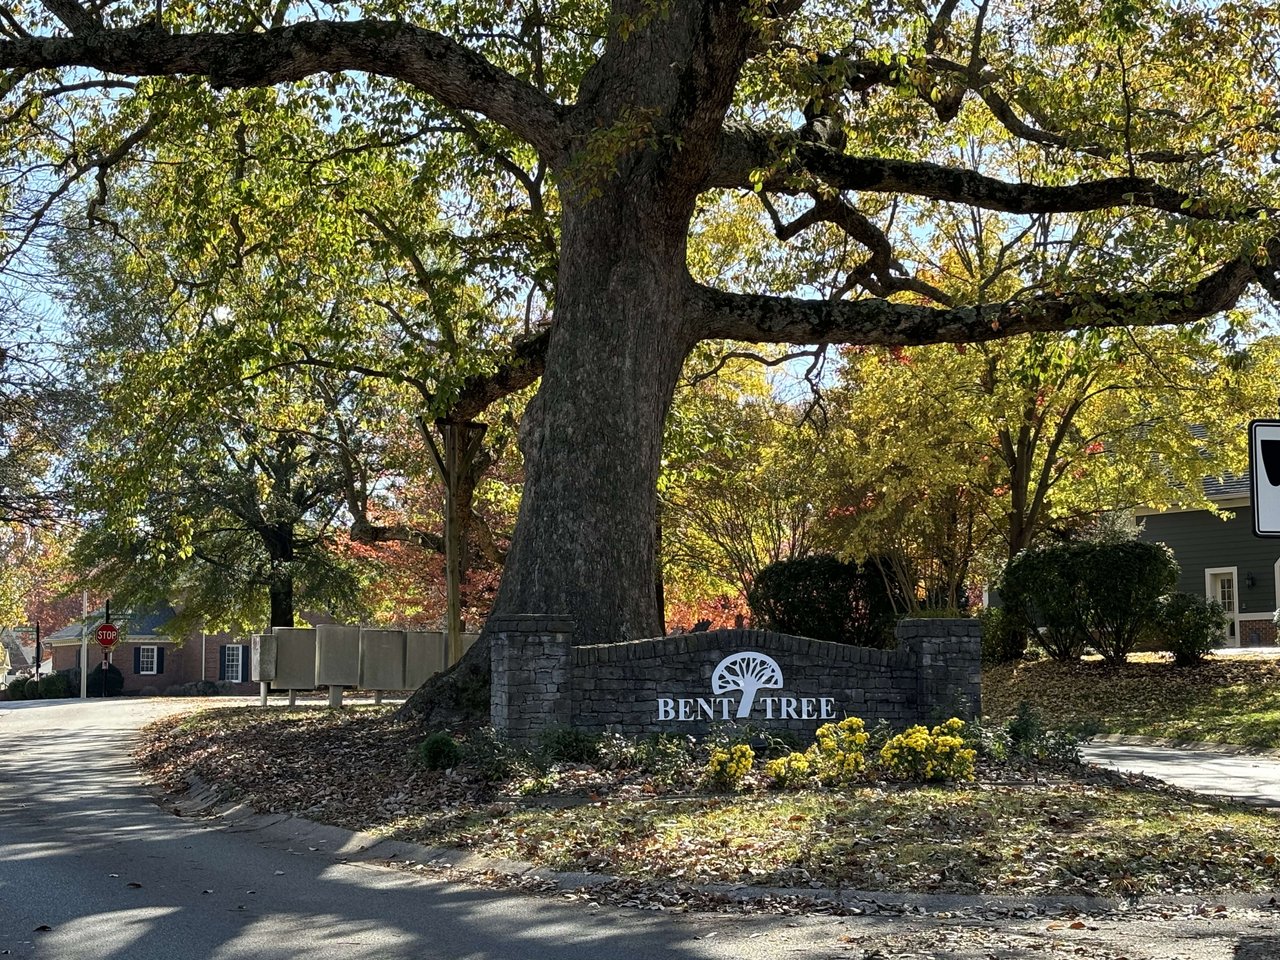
pixel 461 444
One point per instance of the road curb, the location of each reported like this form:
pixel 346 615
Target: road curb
pixel 1196 746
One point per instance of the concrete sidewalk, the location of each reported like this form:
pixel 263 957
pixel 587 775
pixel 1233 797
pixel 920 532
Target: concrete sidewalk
pixel 1251 778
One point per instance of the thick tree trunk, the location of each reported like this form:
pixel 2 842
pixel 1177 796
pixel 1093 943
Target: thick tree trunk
pixel 585 543
pixel 279 541
pixel 586 540
pixel 282 604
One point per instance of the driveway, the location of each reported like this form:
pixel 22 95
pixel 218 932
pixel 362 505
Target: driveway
pixel 1252 778
pixel 92 869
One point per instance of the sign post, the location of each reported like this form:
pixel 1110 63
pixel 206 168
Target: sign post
pixel 107 635
pixel 1264 476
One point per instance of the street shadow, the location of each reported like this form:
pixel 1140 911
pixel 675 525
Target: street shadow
pixel 85 851
pixel 1257 948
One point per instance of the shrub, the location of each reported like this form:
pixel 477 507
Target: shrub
pixel 789 772
pixel 665 757
pixel 115 681
pixel 1189 626
pixel 492 757
pixel 838 752
pixel 923 754
pixel 17 690
pixel 1027 738
pixel 1123 583
pixel 72 677
pixel 1103 594
pixel 825 598
pixel 53 687
pixel 1040 590
pixel 31 688
pixel 615 752
pixel 728 768
pixel 439 752
pixel 566 745
pixel 1004 640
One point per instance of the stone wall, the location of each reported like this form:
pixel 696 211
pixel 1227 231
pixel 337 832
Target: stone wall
pixel 531 683
pixel 687 683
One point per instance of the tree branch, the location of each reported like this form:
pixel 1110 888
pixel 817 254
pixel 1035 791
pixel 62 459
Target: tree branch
pixel 449 72
pixel 75 17
pixel 521 368
pixel 761 318
pixel 744 152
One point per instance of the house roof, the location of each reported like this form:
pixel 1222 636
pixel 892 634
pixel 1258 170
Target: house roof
pixel 19 657
pixel 1230 487
pixel 140 626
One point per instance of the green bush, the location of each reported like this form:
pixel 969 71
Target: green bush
pixel 17 690
pixel 825 598
pixel 1040 591
pixel 32 688
pixel 566 745
pixel 1123 583
pixel 1004 640
pixel 53 687
pixel 1102 594
pixel 1026 737
pixel 492 757
pixel 1189 626
pixel 667 757
pixel 115 681
pixel 439 752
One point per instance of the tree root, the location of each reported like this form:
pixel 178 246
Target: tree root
pixel 459 695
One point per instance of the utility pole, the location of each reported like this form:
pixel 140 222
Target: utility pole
pixel 84 644
pixel 37 651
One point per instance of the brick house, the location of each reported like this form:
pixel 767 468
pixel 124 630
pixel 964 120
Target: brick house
pixel 150 660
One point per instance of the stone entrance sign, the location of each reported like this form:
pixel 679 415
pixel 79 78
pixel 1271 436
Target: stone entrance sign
pixel 686 683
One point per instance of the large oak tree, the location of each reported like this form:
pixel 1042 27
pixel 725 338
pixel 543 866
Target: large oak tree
pixel 845 119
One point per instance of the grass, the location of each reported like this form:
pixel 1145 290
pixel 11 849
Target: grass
pixel 1062 838
pixel 1233 701
pixel 1078 830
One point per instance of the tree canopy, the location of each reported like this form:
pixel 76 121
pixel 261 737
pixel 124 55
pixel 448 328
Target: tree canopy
pixel 580 151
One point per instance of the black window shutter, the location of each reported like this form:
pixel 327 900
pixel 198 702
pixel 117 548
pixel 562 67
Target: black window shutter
pixel 244 663
pixel 137 660
pixel 159 659
pixel 222 662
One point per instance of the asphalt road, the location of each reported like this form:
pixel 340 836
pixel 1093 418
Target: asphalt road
pixel 85 851
pixel 92 869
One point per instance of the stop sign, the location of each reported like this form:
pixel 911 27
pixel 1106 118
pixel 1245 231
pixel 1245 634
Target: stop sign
pixel 108 634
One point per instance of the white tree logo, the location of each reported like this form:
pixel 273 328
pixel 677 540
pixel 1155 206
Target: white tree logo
pixel 749 672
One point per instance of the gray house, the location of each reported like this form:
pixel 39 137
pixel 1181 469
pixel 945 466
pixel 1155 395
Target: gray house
pixel 1223 559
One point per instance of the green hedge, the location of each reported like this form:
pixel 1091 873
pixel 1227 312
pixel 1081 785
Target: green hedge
pixel 1099 594
pixel 825 598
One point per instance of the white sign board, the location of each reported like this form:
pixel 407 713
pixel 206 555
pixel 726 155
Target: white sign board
pixel 1264 476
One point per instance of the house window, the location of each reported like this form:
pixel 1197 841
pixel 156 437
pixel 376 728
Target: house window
pixel 234 664
pixel 146 659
